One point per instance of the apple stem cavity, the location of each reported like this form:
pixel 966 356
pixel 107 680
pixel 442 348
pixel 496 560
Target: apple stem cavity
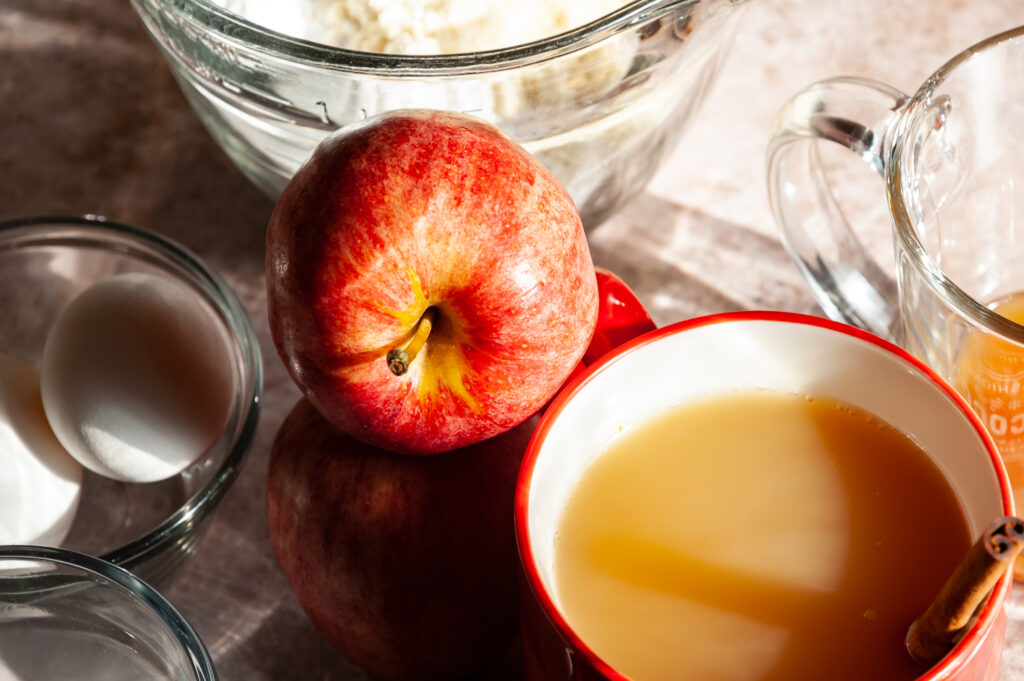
pixel 400 358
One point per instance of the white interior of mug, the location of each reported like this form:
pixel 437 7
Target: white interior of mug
pixel 715 355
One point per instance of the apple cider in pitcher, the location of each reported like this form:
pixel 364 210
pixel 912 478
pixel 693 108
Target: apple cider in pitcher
pixel 758 536
pixel 990 376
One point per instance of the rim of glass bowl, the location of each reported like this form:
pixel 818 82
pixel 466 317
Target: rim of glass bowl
pixel 239 30
pixel 152 247
pixel 186 636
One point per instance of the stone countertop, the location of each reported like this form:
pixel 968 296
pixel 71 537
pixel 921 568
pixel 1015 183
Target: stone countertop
pixel 91 121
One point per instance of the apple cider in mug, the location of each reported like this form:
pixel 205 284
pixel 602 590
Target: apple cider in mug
pixel 760 535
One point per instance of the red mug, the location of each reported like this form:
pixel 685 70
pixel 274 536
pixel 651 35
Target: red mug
pixel 745 351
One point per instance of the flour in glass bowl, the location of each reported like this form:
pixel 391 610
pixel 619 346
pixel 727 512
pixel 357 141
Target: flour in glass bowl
pixel 421 26
pixel 597 117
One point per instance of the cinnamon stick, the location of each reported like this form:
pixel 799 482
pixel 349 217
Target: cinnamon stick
pixel 934 633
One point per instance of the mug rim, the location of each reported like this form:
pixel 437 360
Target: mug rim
pixel 964 304
pixel 964 648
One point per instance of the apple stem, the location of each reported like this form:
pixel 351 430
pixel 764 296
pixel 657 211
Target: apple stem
pixel 400 358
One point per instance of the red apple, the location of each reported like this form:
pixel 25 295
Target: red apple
pixel 406 564
pixel 429 283
pixel 620 317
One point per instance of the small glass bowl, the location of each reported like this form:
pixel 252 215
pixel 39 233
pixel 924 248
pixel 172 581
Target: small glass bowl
pixel 71 617
pixel 600 105
pixel 44 263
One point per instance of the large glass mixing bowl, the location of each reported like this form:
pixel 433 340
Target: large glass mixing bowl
pixel 600 105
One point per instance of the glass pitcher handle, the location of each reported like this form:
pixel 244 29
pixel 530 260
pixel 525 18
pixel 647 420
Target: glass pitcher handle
pixel 859 115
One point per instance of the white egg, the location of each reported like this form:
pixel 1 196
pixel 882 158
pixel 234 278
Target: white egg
pixel 136 377
pixel 40 483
